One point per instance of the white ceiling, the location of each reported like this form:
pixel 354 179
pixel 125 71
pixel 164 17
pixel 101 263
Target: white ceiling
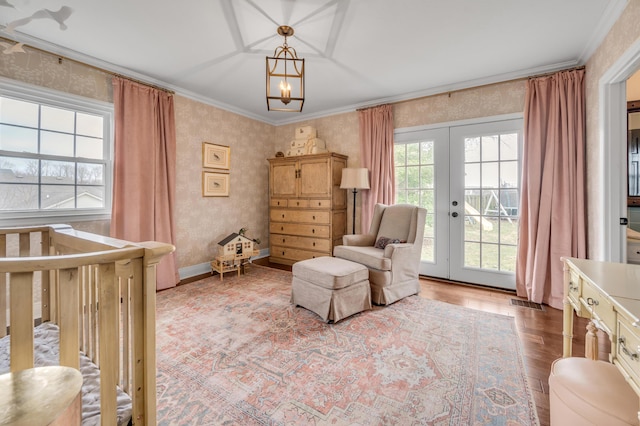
pixel 357 52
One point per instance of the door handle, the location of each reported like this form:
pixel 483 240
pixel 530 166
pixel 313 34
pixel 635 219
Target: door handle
pixel 454 214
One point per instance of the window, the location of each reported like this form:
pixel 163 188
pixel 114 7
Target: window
pixel 55 154
pixel 415 184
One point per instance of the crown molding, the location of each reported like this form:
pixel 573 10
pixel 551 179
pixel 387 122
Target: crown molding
pixel 612 12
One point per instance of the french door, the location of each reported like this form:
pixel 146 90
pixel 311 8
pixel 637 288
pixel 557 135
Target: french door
pixel 468 179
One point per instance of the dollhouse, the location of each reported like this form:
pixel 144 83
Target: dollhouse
pixel 234 252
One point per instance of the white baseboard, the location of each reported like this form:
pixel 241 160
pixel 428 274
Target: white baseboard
pixel 205 268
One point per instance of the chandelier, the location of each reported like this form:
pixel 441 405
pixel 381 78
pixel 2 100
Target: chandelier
pixel 285 77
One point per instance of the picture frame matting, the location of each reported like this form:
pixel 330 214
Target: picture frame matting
pixel 216 156
pixel 215 184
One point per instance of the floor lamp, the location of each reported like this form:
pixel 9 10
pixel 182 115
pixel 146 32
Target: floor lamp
pixel 355 178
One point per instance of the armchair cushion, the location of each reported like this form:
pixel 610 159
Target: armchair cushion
pixel 395 223
pixel 368 256
pixel 358 240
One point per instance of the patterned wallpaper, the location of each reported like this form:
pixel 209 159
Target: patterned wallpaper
pixel 484 101
pixel 47 70
pixel 621 36
pixel 203 221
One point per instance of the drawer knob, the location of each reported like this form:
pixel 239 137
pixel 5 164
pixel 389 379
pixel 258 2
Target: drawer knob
pixel 313 231
pixel 283 240
pixel 627 352
pixel 314 244
pixel 283 215
pixel 314 218
pixel 282 228
pixel 592 302
pixel 319 203
pixel 297 203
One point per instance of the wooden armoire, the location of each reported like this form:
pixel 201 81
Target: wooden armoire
pixel 307 208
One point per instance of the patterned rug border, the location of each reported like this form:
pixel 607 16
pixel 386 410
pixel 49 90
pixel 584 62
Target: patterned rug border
pixel 188 377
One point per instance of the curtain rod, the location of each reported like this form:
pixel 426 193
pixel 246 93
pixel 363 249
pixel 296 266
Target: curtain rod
pixel 111 73
pixel 374 106
pixel 581 67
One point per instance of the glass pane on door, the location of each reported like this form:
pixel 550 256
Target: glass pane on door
pixel 415 184
pixel 485 228
pixel 491 192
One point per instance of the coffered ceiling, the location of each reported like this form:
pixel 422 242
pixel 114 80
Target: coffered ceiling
pixel 357 52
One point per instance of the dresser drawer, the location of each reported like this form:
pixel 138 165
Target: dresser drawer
pixel 300 216
pixel 295 254
pixel 298 203
pixel 320 231
pixel 633 252
pixel 302 242
pixel 598 305
pixel 320 204
pixel 628 348
pixel 278 202
pixel 575 290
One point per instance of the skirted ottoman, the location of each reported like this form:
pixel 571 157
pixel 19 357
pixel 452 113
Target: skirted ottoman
pixel 587 392
pixel 332 288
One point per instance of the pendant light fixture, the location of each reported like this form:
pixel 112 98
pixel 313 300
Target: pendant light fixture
pixel 285 77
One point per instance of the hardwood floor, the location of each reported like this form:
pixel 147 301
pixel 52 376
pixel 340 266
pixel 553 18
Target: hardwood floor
pixel 540 330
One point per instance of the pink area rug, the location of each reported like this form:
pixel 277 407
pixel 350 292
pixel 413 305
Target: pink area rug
pixel 237 352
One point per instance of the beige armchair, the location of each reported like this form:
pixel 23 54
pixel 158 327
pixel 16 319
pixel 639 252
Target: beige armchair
pixel 391 251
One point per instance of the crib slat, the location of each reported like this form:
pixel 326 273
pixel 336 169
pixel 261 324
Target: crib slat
pixel 108 319
pixel 69 321
pixel 44 284
pixel 3 289
pixel 21 305
pixel 94 316
pixel 25 244
pixel 149 324
pixel 138 384
pixel 125 273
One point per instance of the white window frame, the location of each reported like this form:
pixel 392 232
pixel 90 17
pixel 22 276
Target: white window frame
pixel 45 96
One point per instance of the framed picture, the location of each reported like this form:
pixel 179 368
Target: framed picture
pixel 215 184
pixel 216 156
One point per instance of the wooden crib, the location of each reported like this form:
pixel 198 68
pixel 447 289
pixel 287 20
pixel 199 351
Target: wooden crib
pixel 100 292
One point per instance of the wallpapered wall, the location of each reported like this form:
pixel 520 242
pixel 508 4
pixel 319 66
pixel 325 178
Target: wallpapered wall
pixel 201 222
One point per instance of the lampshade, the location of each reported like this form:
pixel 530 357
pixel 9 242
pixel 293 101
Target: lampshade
pixel 357 178
pixel 285 77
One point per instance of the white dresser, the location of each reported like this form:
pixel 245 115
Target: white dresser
pixel 609 294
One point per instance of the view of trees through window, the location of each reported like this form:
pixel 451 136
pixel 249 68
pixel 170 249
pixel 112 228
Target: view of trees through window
pixel 51 157
pixel 414 173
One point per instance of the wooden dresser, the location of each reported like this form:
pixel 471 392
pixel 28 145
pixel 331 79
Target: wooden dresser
pixel 307 208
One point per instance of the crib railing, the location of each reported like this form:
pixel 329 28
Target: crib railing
pixel 100 292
